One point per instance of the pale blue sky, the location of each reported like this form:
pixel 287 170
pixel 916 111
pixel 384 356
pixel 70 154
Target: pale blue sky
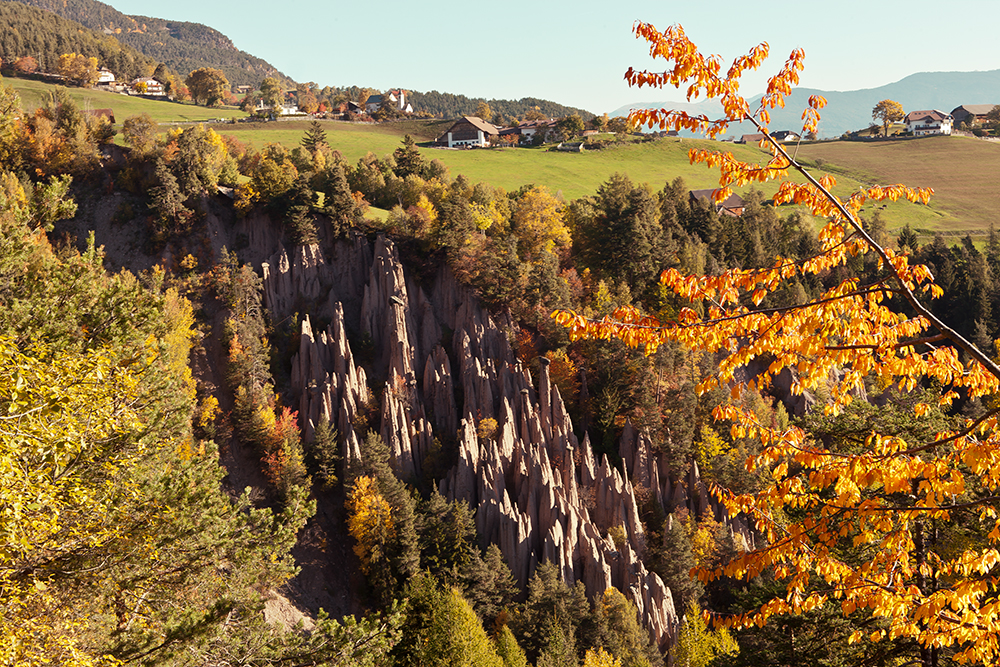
pixel 576 53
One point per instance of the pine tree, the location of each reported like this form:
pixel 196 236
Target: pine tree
pixel 298 219
pixel 408 159
pixel 167 201
pixel 556 618
pixel 323 454
pixel 675 562
pixel 315 138
pixel 402 553
pixel 622 635
pixel 338 202
pixel 508 650
pixel 907 239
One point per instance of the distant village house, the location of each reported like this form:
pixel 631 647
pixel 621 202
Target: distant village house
pixel 927 122
pixel 974 112
pixel 750 139
pixel 545 128
pixel 147 86
pixel 469 131
pixel 786 136
pixel 396 97
pixel 733 205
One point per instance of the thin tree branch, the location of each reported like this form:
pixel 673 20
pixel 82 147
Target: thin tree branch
pixel 911 298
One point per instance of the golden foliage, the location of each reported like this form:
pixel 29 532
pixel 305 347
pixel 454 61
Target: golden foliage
pixel 600 658
pixel 58 419
pixel 539 223
pixel 564 374
pixel 878 500
pixel 370 522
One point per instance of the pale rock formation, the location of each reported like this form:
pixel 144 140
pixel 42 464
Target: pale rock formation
pixel 535 488
pixel 330 386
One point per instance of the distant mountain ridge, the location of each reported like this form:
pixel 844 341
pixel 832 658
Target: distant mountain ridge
pixel 847 111
pixel 183 47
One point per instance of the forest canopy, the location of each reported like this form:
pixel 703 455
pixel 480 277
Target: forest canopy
pixel 46 37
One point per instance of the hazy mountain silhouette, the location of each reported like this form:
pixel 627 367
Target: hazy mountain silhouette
pixel 852 110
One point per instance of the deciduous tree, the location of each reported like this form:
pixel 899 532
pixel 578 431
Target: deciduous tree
pixel 207 86
pixel 140 132
pixel 78 69
pixel 483 111
pixel 26 64
pixel 880 503
pixel 620 125
pixel 570 126
pixel 888 112
pixel 538 222
pixel 271 93
pixel 697 645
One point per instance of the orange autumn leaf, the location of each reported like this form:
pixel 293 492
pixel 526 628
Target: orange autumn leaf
pixel 883 495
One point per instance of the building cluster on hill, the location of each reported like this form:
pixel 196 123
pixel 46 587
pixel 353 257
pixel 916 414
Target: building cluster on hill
pixel 143 85
pixel 927 122
pixel 474 132
pixel 390 104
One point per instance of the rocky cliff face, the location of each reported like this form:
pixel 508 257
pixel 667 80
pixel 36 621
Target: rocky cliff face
pixel 536 490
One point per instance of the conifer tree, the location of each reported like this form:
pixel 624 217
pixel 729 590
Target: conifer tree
pixel 508 650
pixel 314 139
pixel 167 200
pixel 408 159
pixel 338 202
pixel 402 552
pixel 298 219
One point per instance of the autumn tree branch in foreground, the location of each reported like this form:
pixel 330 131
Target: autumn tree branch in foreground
pixel 825 516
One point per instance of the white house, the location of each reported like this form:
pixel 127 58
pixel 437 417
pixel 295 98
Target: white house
pixel 527 129
pixel 152 86
pixel 786 136
pixel 105 77
pixel 926 122
pixel 401 103
pixel 261 109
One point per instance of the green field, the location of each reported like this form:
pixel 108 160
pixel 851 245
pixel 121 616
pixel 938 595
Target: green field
pixel 34 94
pixel 572 174
pixel 961 170
pixel 961 204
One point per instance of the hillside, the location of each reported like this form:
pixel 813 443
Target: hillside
pixel 961 170
pixel 851 110
pixel 45 36
pixel 956 205
pixel 181 46
pixel 449 105
pixel 34 94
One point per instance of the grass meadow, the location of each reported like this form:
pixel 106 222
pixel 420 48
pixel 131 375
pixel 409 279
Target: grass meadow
pixel 35 93
pixel 961 170
pixel 958 169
